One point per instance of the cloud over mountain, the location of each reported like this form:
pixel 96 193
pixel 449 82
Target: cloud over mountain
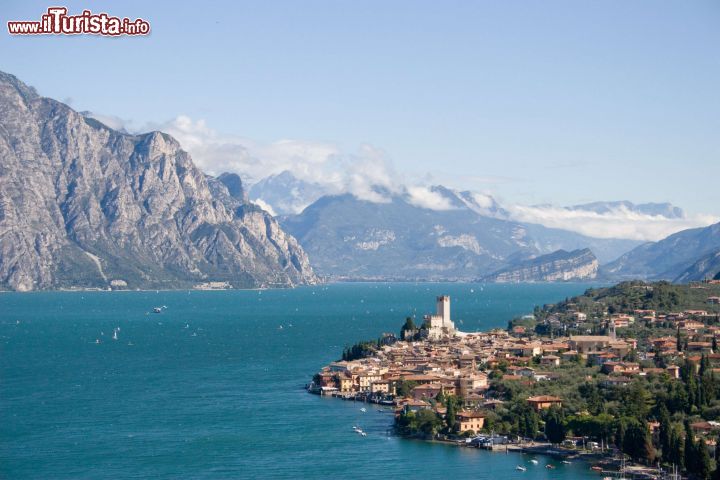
pixel 616 221
pixel 369 175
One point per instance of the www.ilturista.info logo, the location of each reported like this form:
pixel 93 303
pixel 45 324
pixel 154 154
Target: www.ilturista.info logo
pixel 57 22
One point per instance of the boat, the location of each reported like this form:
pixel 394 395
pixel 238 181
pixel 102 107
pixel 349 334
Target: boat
pixel 533 461
pixel 363 434
pixel 596 468
pixel 363 409
pixel 521 468
pixel 550 466
pixel 566 462
pixel 157 310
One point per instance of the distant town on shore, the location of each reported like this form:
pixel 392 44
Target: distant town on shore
pixel 628 372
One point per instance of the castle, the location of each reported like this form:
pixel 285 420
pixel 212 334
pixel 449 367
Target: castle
pixel 439 326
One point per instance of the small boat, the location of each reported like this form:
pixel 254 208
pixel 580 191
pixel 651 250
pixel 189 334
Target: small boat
pixel 534 462
pixel 521 468
pixel 550 466
pixel 363 434
pixel 596 468
pixel 363 409
pixel 566 462
pixel 157 310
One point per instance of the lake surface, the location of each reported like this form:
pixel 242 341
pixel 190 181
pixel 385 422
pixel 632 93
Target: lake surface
pixel 212 387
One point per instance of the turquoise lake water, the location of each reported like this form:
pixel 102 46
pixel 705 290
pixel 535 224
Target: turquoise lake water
pixel 212 387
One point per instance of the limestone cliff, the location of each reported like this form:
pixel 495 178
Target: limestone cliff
pixel 82 205
pixel 557 266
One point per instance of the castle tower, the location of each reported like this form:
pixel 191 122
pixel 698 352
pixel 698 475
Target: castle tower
pixel 443 309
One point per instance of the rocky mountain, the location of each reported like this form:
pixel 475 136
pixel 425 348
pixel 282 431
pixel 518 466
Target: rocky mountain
pixel 349 238
pixel 556 266
pixel 285 194
pixel 706 267
pixel 669 259
pixel 83 205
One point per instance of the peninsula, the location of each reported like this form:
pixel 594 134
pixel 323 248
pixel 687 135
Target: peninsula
pixel 628 371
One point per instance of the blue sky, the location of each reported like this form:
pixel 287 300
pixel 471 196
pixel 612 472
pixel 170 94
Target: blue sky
pixel 558 102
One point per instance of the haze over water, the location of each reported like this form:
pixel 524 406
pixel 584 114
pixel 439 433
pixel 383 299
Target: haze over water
pixel 212 387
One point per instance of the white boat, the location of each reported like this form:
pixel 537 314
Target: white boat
pixel 534 462
pixel 363 409
pixel 521 468
pixel 566 462
pixel 363 434
pixel 157 310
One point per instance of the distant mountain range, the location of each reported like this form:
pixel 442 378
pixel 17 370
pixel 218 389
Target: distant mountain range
pixel 471 236
pixel 83 205
pixel 349 238
pixel 284 194
pixel 684 256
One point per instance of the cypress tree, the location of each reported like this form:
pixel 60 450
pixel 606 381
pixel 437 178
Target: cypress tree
pixel 665 432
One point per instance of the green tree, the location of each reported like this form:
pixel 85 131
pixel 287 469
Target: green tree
pixel 555 429
pixel 665 431
pixel 451 403
pixel 409 326
pixel 697 459
pixel 676 455
pixel 404 388
pixel 637 442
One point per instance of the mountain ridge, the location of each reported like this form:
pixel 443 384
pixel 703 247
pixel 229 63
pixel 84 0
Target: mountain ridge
pixel 83 205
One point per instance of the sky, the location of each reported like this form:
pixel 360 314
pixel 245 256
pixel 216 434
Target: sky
pixel 552 102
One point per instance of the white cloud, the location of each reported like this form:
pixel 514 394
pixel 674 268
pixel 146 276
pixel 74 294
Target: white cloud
pixel 316 162
pixel 369 175
pixel 425 198
pixel 265 206
pixel 619 222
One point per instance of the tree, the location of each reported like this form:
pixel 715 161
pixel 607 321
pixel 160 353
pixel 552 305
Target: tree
pixel 428 422
pixel 697 459
pixel 637 442
pixel 404 388
pixel 665 431
pixel 555 429
pixel 451 403
pixel 409 326
pixel 678 340
pixel 676 455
